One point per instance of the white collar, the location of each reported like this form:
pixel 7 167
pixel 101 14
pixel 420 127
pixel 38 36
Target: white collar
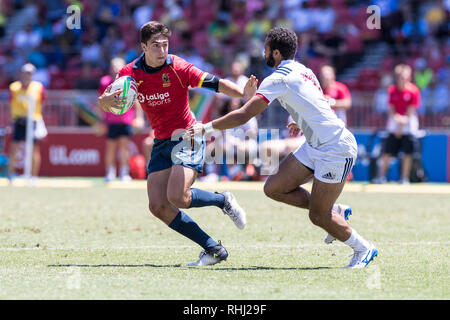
pixel 283 62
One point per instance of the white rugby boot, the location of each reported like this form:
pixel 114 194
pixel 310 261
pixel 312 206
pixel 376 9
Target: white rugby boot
pixel 362 258
pixel 232 209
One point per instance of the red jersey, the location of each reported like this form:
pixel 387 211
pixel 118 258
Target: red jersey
pixel 164 92
pixel 402 99
pixel 338 91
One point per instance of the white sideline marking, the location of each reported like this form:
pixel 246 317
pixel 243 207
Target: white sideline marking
pixel 279 246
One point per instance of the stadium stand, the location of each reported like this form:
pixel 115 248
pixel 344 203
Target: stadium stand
pixel 215 33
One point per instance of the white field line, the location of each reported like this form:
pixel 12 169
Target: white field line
pixel 235 246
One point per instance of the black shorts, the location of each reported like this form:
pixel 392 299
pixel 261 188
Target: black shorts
pixel 20 130
pixel 119 130
pixel 394 145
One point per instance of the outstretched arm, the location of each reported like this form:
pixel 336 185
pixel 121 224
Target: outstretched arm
pixel 238 117
pixel 233 90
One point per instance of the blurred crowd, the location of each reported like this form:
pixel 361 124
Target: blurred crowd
pixel 212 34
pixel 226 37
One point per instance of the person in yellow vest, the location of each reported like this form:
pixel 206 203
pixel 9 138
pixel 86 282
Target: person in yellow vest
pixel 20 93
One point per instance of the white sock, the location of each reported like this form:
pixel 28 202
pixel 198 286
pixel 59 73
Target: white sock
pixel 111 171
pixel 356 242
pixel 335 208
pixel 124 171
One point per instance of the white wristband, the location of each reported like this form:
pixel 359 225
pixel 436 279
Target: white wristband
pixel 208 127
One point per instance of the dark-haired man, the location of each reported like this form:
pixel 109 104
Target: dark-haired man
pixel 163 83
pixel 328 154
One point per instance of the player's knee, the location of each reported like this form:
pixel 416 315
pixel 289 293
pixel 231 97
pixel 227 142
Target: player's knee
pixel 270 190
pixel 157 208
pixel 179 200
pixel 316 219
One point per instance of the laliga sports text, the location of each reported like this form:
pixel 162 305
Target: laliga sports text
pixel 235 146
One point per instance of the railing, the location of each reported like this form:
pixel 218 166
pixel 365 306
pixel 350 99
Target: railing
pixel 64 108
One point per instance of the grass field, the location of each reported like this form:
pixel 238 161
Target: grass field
pixel 97 242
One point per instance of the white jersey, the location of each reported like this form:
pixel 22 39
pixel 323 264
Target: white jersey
pixel 299 92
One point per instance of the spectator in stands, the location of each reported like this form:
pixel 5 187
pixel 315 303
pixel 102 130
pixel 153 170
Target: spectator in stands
pixel 331 46
pixel 112 44
pixel 236 143
pixel 381 96
pixel 439 97
pixel 27 38
pixel 120 129
pixel 422 74
pixel 290 140
pixel 143 14
pixel 91 51
pixel 237 74
pixel 239 143
pixel 336 92
pixel 3 20
pixel 402 124
pixel 323 17
pixel 258 26
pixel 21 92
pixel 301 17
pixel 85 81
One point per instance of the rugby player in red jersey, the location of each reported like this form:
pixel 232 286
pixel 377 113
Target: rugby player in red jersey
pixel 163 83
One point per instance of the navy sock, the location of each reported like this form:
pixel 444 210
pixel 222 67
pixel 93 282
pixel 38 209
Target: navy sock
pixel 202 198
pixel 187 227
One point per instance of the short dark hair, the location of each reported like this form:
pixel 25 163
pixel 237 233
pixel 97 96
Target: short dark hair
pixel 151 28
pixel 283 39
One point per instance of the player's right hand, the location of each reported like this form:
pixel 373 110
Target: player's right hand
pixel 110 99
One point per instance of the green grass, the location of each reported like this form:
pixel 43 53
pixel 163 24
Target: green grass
pixel 100 243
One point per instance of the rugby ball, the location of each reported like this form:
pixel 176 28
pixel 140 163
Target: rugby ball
pixel 129 90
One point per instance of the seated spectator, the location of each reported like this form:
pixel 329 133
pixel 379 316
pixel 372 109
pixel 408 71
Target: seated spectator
pixel 290 140
pixel 239 145
pixel 402 124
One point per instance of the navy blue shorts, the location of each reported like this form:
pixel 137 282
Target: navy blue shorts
pixel 188 153
pixel 20 130
pixel 117 130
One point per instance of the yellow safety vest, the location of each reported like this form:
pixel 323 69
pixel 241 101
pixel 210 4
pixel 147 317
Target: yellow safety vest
pixel 20 99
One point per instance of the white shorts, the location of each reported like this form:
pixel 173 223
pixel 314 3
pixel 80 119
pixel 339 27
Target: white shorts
pixel 331 162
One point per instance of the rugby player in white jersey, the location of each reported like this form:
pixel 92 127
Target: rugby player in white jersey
pixel 327 157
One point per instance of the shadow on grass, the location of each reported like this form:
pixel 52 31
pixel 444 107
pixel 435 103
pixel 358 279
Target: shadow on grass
pixel 250 268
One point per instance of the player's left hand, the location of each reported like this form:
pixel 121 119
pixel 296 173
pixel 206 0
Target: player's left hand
pixel 250 87
pixel 197 129
pixel 294 129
